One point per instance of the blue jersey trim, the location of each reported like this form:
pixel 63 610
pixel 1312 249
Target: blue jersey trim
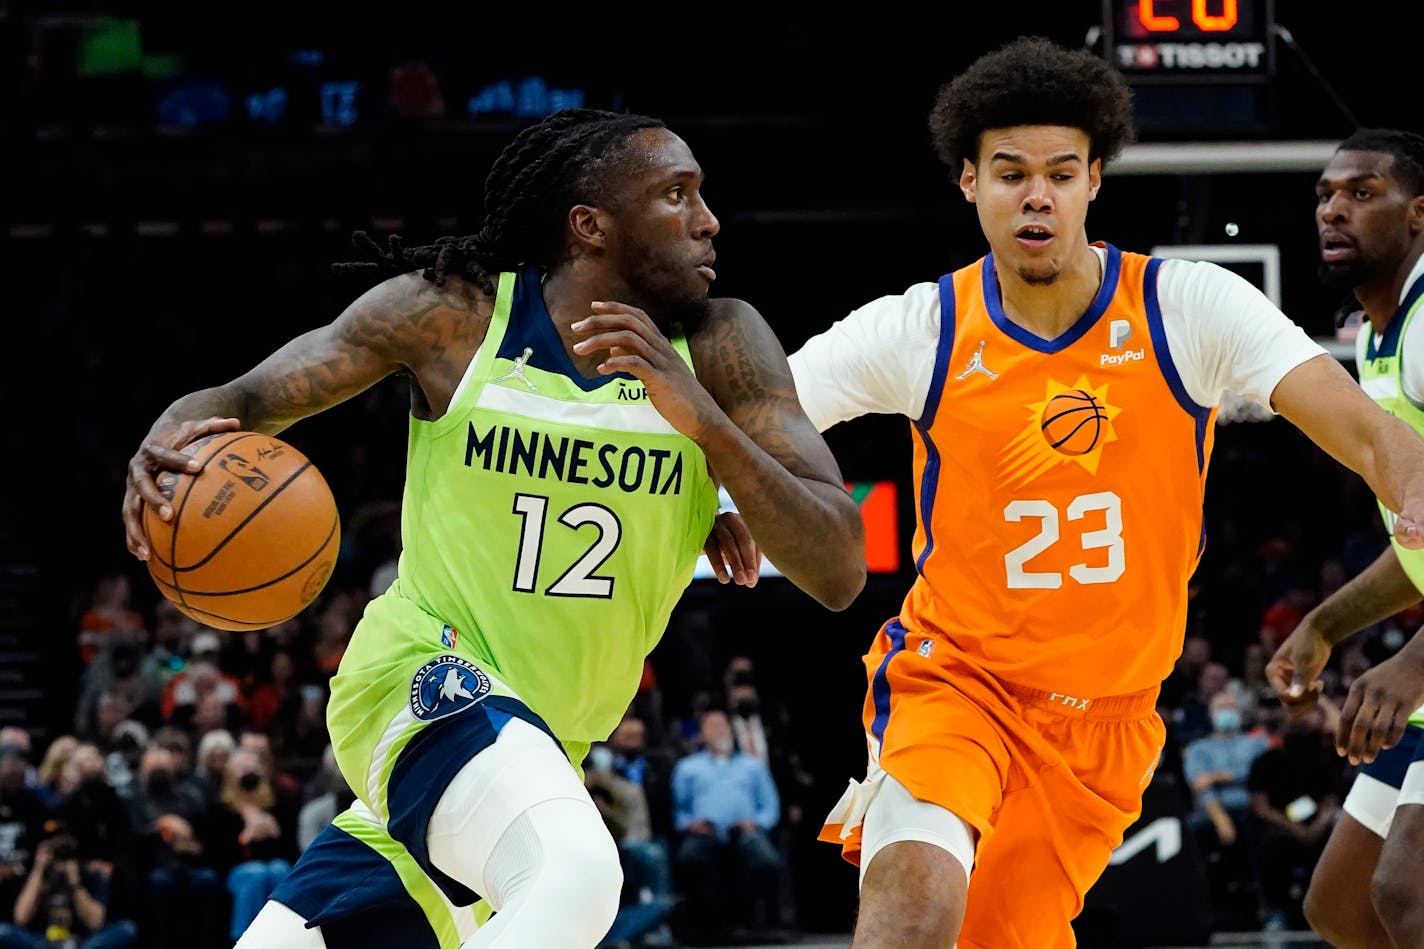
pixel 1392 763
pixel 880 684
pixel 1389 343
pixel 531 325
pixel 1200 413
pixel 355 895
pixel 427 765
pixel 929 479
pixel 1111 269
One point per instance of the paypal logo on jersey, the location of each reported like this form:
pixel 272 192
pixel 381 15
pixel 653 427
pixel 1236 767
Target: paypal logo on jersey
pixel 1119 332
pixel 445 686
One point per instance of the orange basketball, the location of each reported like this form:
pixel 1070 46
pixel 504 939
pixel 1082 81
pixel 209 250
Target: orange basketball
pixel 253 536
pixel 1072 422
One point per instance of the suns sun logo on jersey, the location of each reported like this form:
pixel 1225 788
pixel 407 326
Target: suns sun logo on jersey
pixel 1069 424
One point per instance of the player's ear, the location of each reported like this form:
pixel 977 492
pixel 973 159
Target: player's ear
pixel 1095 178
pixel 1416 215
pixel 968 178
pixel 588 225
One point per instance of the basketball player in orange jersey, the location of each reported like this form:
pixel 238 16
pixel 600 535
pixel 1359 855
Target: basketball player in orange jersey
pixel 1063 397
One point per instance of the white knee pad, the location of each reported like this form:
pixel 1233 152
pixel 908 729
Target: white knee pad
pixel 896 815
pixel 278 925
pixel 518 827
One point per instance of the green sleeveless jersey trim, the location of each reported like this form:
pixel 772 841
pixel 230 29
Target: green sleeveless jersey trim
pixel 1380 361
pixel 550 525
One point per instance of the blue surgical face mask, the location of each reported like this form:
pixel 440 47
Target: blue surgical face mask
pixel 1226 720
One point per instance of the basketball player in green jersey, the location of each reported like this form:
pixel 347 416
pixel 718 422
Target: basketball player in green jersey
pixel 561 481
pixel 1365 892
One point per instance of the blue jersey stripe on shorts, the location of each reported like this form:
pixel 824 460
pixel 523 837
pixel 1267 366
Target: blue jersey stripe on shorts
pixel 1391 764
pixel 355 895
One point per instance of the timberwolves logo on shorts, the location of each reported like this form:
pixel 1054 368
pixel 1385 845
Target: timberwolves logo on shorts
pixel 445 686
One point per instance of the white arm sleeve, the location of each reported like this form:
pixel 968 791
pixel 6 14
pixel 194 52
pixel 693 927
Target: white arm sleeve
pixel 1224 335
pixel 880 359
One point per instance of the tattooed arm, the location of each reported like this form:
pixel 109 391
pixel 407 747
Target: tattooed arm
pixel 773 462
pixel 403 323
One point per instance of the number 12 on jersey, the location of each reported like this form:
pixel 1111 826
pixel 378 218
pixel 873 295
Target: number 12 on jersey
pixel 1109 538
pixel 579 579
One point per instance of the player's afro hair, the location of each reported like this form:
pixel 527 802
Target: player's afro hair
pixel 1032 81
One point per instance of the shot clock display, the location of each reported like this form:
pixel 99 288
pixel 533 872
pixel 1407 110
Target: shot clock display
pixel 1189 41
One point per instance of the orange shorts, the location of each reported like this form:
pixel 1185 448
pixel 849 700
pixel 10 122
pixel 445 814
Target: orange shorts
pixel 1050 781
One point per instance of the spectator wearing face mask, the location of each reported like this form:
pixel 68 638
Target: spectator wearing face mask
pixel 1218 766
pixel 184 897
pixel 246 842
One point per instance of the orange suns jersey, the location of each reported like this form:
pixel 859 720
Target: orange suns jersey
pixel 1060 481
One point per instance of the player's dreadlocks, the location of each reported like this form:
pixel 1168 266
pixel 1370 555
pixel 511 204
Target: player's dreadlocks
pixel 563 160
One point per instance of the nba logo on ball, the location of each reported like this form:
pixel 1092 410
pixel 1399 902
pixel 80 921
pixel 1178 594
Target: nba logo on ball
pixel 445 686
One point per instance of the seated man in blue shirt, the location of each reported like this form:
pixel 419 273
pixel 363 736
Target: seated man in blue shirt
pixel 1217 767
pixel 724 805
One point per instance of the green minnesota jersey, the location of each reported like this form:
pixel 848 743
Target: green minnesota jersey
pixel 550 524
pixel 1380 359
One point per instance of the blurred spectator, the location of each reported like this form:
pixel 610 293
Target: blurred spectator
pixel 1284 615
pixel 108 612
pixel 1295 798
pixel 184 897
pixel 649 768
pixel 299 736
pixel 276 686
pixel 286 788
pixel 64 902
pixel 322 809
pixel 725 805
pixel 22 817
pixel 165 657
pixel 214 749
pixel 91 810
pixel 1218 766
pixel 336 620
pixel 245 842
pixel 646 900
pixel 177 743
pixel 202 697
pixel 15 738
pixel 1256 693
pixel 1196 653
pixel 52 767
pixel 247 657
pixel 1192 719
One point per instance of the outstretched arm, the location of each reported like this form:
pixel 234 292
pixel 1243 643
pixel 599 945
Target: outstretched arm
pixel 387 328
pixel 1319 397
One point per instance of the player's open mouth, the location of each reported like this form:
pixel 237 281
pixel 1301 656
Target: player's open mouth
pixel 705 268
pixel 1336 247
pixel 1034 236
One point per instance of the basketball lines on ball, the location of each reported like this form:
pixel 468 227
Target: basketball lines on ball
pixel 251 558
pixel 179 505
pixel 1060 440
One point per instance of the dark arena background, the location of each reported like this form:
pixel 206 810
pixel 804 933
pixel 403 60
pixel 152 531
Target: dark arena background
pixel 178 179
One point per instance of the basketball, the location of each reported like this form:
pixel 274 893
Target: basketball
pixel 1072 422
pixel 253 536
